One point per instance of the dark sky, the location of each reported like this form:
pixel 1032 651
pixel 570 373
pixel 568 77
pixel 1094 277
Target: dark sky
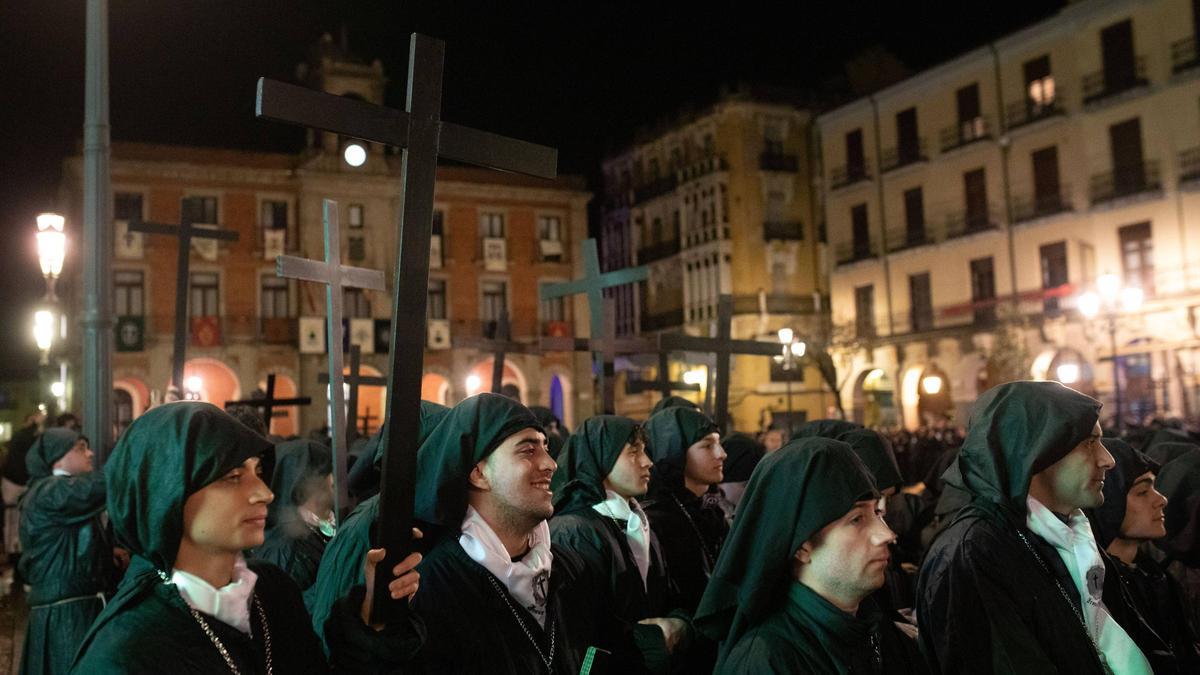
pixel 579 76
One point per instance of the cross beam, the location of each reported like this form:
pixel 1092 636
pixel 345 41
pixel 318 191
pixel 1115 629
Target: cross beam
pixel 424 137
pixel 268 403
pixel 499 347
pixel 336 277
pixel 662 383
pixel 185 231
pixel 354 380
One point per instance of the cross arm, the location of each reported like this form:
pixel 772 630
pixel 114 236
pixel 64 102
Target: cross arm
pixel 292 267
pixel 174 231
pixel 274 402
pixel 288 103
pixel 606 280
pixel 620 345
pixel 361 380
pixel 494 151
pixel 486 345
pixel 688 343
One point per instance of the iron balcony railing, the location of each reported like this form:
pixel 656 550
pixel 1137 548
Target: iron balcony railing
pixel 968 222
pixel 904 154
pixel 702 168
pixel 1101 85
pixel 1028 111
pixel 852 251
pixel 841 176
pixel 1125 182
pixel 1184 55
pixel 654 188
pixel 905 237
pixel 966 132
pixel 788 230
pixel 1032 206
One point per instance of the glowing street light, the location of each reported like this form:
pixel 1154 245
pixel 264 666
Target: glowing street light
pixel 52 249
pixel 694 376
pixel 1068 373
pixel 473 383
pixel 192 385
pixel 43 332
pixel 355 154
pixel 58 389
pixel 1109 299
pixel 932 384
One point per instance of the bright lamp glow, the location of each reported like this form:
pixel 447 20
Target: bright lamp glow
pixel 1068 373
pixel 58 389
pixel 355 154
pixel 473 383
pixel 1108 285
pixel 1131 298
pixel 51 243
pixel 932 384
pixel 798 349
pixel 785 335
pixel 695 376
pixel 1088 304
pixel 193 383
pixel 43 329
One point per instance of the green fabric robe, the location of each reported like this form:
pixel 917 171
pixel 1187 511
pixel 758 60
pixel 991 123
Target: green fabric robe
pixel 290 543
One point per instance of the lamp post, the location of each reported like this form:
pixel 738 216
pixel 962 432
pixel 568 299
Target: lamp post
pixel 792 351
pixel 1109 298
pixel 52 249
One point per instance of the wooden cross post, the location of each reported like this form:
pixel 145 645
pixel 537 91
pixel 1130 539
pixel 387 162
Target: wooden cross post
pixel 424 137
pixel 268 403
pixel 593 284
pixel 722 346
pixel 185 232
pixel 353 381
pixel 500 347
pixel 367 418
pixel 336 277
pixel 662 383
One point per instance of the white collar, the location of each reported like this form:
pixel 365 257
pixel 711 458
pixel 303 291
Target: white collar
pixel 637 527
pixel 61 472
pixel 230 603
pixel 527 579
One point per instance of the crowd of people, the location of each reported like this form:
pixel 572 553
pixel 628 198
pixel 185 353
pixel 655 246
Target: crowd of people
pixel 1026 542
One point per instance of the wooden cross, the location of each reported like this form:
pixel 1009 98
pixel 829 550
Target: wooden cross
pixel 268 403
pixel 593 284
pixel 336 277
pixel 722 346
pixel 367 418
pixel 353 381
pixel 185 232
pixel 424 137
pixel 662 383
pixel 499 346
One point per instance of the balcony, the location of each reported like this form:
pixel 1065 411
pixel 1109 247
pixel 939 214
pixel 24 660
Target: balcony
pixel 775 161
pixel 843 176
pixel 1028 111
pixel 1100 85
pixel 1125 182
pixel 659 251
pixel 903 155
pixel 1184 55
pixel 654 188
pixel 277 331
pixel 703 168
pixel 965 133
pixel 1189 165
pixel 1028 207
pixel 850 252
pixel 787 230
pixel 903 238
pixel 966 223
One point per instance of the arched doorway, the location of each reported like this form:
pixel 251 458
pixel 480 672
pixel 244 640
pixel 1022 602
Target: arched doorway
pixel 479 378
pixel 284 421
pixel 874 398
pixel 371 402
pixel 211 380
pixel 934 401
pixel 1064 365
pixel 434 387
pixel 122 410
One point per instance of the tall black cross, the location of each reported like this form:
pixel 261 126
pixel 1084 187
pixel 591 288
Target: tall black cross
pixel 336 277
pixel 185 232
pixel 662 383
pixel 722 346
pixel 424 137
pixel 500 347
pixel 353 381
pixel 268 403
pixel 593 284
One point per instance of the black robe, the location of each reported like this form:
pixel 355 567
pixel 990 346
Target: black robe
pixel 1159 599
pixel 296 548
pixel 690 530
pixel 473 627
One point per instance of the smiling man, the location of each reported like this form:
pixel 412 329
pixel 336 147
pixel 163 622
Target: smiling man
pixel 1016 582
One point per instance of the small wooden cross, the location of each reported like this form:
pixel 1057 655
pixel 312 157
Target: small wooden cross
pixel 500 346
pixel 268 403
pixel 353 381
pixel 662 383
pixel 185 232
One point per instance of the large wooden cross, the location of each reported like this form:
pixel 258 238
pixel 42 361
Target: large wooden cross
pixel 354 380
pixel 500 346
pixel 185 232
pixel 662 383
pixel 593 284
pixel 336 277
pixel 269 403
pixel 424 137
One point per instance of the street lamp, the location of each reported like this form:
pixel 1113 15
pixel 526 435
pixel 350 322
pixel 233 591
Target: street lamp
pixel 1109 299
pixel 192 387
pixel 793 350
pixel 43 332
pixel 52 247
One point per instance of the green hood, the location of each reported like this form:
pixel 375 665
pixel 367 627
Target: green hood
pixel 743 454
pixel 1016 430
pixel 672 402
pixel 431 414
pixel 873 449
pixel 1129 464
pixel 1164 453
pixel 466 435
pixel 295 462
pixel 1179 482
pixel 587 459
pixel 669 434
pixel 50 447
pixel 167 455
pixel 793 493
pixel 826 428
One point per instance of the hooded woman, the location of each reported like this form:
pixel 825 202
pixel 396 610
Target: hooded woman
pixel 300 519
pixel 185 497
pixel 68 559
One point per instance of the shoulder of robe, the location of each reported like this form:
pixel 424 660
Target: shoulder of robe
pixel 764 651
pixel 272 578
pixel 137 639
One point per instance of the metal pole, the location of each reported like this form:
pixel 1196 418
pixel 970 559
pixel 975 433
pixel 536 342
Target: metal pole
pixel 1112 340
pixel 97 236
pixel 788 378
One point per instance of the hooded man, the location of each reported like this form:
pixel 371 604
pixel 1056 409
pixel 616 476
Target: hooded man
pixel 15 480
pixel 185 498
pixel 743 453
pixel 601 474
pixel 672 401
pixel 68 559
pixel 556 433
pixel 1015 583
pixel 300 520
pixel 1132 516
pixel 791 592
pixel 1179 481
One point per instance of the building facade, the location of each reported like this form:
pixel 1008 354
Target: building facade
pixel 971 206
pixel 496 238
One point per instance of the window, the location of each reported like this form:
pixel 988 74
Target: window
pixel 1039 84
pixel 921 307
pixel 439 219
pixel 554 309
pixel 773 138
pixel 200 210
pixel 274 300
pixel 1120 63
pixel 1047 197
pixel 861 233
pixel 1129 175
pixel 864 311
pixel 355 304
pixel 975 194
pixel 776 206
pixel 495 300
pixel 436 302
pixel 914 217
pixel 970 120
pixel 127 206
pixel 856 163
pixel 983 290
pixel 908 141
pixel 1054 272
pixel 491 225
pixel 549 228
pixel 205 294
pixel 274 215
pixel 1137 256
pixel 354 214
pixel 129 288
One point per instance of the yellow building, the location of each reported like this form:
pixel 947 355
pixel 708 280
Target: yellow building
pixel 722 203
pixel 971 206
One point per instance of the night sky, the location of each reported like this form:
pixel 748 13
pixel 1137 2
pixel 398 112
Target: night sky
pixel 578 76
